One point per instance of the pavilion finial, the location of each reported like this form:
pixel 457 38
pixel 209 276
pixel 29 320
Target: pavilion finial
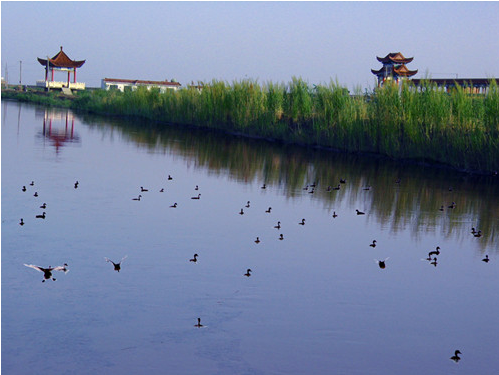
pixel 61 48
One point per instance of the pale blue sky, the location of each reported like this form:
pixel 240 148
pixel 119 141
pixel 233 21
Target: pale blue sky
pixel 268 41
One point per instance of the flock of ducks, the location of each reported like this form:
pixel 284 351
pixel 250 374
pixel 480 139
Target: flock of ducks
pixel 47 271
pixel 432 255
pixel 43 215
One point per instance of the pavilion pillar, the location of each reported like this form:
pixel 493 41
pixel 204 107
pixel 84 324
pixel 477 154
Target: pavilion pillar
pixel 52 74
pixel 69 72
pixel 74 75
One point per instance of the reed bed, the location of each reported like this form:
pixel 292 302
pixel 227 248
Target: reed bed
pixel 401 122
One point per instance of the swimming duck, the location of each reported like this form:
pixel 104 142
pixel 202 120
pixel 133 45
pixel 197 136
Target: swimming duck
pixel 281 237
pixel 305 188
pixel 302 222
pixel 473 231
pixel 137 199
pixel 334 214
pixel 434 262
pixel 198 197
pixel 373 244
pixel 32 183
pixel 453 205
pixel 264 186
pixel 360 212
pixel 174 205
pixel 368 187
pixel 47 272
pixel 117 266
pixel 441 208
pixel 268 211
pixel 455 357
pixel 342 181
pixel 194 259
pixel 199 325
pixel 381 263
pixel 196 188
pixel 162 190
pixel 312 191
pixel 21 222
pixel 170 177
pixel 278 226
pixel 42 216
pixel 76 184
pixel 142 189
pixel 36 194
pixel 248 204
pixel 328 189
pixel 434 252
pixel 44 206
pixel 478 234
pixel 241 212
pixel 24 188
pixel 486 259
pixel 337 187
pixel 257 240
pixel 248 274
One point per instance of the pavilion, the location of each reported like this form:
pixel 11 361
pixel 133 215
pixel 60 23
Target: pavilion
pixel 394 68
pixel 60 62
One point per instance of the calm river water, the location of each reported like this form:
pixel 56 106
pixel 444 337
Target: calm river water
pixel 316 302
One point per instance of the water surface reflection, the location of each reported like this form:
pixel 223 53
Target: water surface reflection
pixel 401 196
pixel 352 293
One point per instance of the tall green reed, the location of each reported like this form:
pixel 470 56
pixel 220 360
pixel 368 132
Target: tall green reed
pixel 404 122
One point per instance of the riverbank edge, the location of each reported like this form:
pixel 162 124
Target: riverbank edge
pixel 60 100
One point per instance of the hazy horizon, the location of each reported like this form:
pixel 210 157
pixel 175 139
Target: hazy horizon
pixel 264 41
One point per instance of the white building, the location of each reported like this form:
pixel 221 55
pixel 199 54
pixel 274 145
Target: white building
pixel 132 84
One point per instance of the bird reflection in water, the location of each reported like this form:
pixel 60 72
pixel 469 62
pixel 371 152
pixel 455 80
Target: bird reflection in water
pixel 117 266
pixel 47 272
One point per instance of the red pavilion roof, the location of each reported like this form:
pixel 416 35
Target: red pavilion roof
pixel 61 60
pixel 395 57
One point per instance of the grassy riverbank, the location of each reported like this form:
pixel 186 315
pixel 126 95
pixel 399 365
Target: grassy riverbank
pixel 455 129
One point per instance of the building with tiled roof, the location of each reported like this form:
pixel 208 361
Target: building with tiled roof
pixel 60 62
pixel 394 68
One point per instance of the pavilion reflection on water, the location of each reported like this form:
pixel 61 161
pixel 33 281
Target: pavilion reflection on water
pixel 58 127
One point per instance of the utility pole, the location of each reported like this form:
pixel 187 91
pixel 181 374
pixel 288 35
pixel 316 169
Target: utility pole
pixel 6 76
pixel 20 72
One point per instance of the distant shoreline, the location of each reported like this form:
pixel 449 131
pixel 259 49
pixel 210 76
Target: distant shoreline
pixel 425 132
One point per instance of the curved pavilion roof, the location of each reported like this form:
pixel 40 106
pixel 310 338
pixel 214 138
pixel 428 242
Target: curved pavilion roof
pixel 61 60
pixel 401 71
pixel 395 57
